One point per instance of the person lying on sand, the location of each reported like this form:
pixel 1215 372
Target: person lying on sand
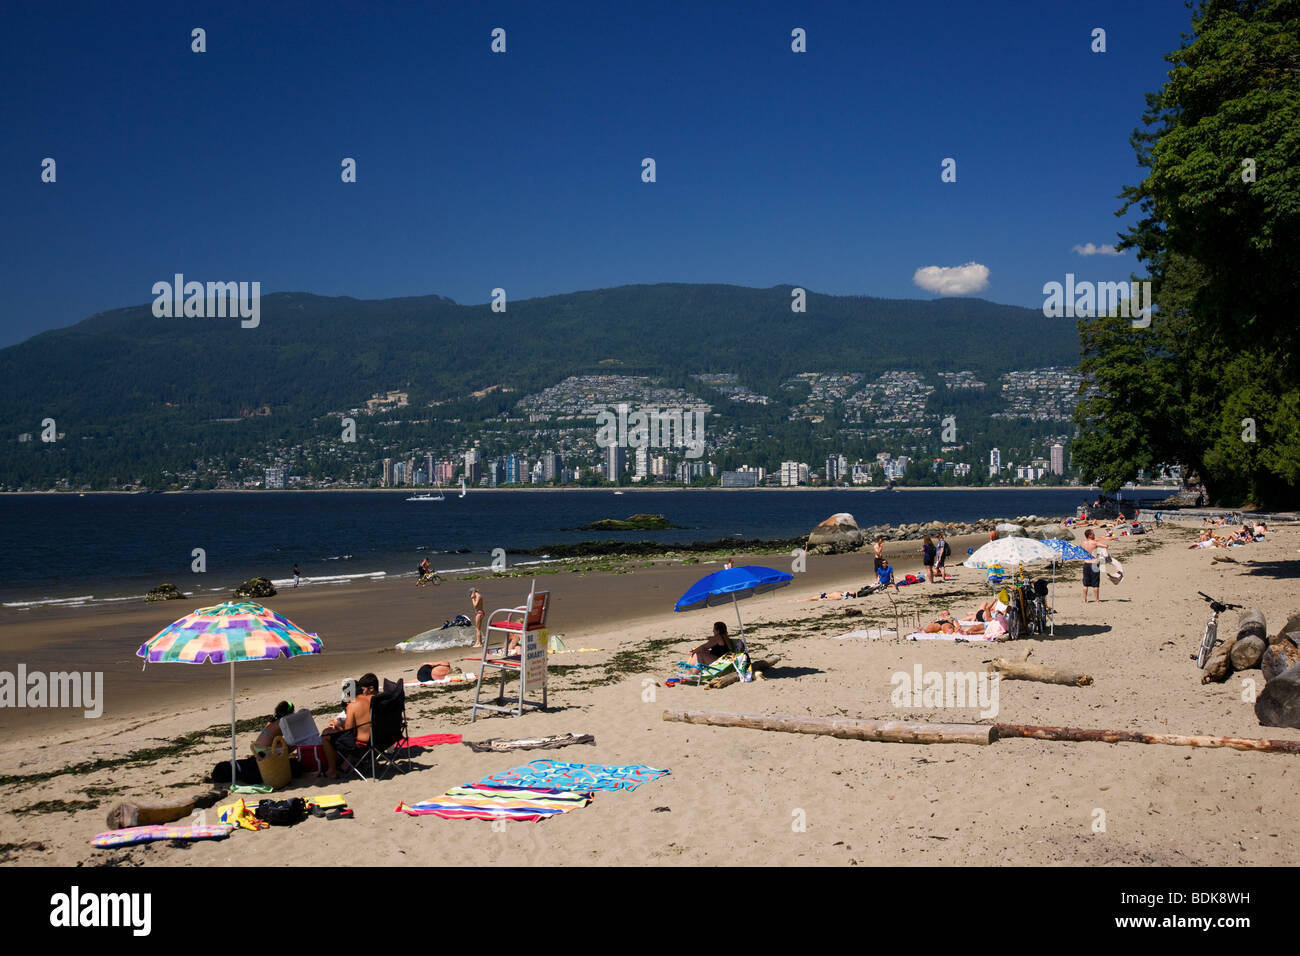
pixel 946 624
pixel 434 670
pixel 352 732
pixel 717 645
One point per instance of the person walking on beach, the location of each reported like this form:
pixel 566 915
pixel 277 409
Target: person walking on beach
pixel 297 575
pixel 941 552
pixel 1091 567
pixel 476 599
pixel 927 559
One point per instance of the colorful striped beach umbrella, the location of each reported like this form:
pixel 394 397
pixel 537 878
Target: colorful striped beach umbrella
pixel 226 633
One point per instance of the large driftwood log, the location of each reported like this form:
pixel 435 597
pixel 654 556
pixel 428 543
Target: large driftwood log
pixel 1247 652
pixel 727 679
pixel 1129 736
pixel 889 731
pixel 1251 622
pixel 1279 657
pixel 1014 670
pixel 1219 667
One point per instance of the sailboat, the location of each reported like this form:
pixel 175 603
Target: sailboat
pixel 462 486
pixel 428 497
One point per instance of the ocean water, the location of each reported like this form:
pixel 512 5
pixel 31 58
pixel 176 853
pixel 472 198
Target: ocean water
pixel 70 549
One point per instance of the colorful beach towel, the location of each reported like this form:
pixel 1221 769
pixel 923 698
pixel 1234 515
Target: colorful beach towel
pixel 501 744
pixel 573 776
pixel 133 835
pixel 488 802
pixel 419 744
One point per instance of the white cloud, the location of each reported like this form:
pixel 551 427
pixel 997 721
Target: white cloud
pixel 1088 249
pixel 953 280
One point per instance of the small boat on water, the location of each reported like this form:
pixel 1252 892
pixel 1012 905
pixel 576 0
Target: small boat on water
pixel 428 497
pixel 462 487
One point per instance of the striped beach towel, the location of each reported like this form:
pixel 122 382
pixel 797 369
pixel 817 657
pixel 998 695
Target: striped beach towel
pixel 573 776
pixel 484 802
pixel 132 835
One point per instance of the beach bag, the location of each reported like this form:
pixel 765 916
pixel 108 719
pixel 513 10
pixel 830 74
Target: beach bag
pixel 245 771
pixel 273 764
pixel 282 813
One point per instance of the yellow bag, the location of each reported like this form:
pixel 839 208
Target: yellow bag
pixel 273 764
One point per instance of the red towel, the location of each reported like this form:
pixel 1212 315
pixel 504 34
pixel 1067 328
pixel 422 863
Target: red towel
pixel 428 740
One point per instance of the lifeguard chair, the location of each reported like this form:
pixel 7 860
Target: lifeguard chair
pixel 526 625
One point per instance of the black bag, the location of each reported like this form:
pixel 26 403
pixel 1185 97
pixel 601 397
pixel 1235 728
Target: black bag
pixel 282 813
pixel 245 771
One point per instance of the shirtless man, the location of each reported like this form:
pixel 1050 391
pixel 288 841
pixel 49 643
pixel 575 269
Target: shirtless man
pixel 476 599
pixel 352 732
pixel 879 549
pixel 1091 567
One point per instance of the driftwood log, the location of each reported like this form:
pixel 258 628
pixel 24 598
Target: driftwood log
pixel 1129 736
pixel 1252 640
pixel 887 731
pixel 1219 667
pixel 732 678
pixel 1014 670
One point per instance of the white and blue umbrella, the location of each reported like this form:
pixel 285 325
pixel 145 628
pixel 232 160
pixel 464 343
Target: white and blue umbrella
pixel 1066 550
pixel 1010 552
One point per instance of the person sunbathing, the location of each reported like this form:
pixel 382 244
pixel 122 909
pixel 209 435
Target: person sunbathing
pixel 434 670
pixel 946 624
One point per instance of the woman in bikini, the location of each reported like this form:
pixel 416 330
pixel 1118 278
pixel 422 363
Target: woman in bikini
pixel 476 599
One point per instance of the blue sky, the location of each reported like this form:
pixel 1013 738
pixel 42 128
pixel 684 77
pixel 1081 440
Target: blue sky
pixel 523 170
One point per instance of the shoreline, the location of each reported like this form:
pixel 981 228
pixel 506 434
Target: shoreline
pixel 1019 802
pixel 451 491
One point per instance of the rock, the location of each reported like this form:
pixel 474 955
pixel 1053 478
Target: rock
pixel 1278 705
pixel 254 588
pixel 1058 531
pixel 1290 631
pixel 1279 656
pixel 837 534
pixel 1007 529
pixel 164 592
pixel 1219 667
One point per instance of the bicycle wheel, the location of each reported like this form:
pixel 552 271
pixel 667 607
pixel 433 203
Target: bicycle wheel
pixel 1208 641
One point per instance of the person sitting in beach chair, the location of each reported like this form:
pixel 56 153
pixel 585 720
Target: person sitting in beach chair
pixel 717 655
pixel 350 734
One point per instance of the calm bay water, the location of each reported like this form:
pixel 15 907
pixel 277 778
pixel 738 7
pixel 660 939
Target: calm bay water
pixel 74 549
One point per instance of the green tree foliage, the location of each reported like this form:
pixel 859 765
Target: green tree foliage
pixel 1219 232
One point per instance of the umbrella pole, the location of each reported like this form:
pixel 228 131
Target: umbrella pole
pixel 232 725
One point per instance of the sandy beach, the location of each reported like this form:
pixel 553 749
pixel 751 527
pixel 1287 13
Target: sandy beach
pixel 733 796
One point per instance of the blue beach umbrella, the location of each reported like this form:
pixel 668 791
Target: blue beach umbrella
pixel 729 585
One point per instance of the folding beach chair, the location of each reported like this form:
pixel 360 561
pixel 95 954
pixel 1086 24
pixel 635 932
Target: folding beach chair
pixel 300 733
pixel 526 625
pixel 387 726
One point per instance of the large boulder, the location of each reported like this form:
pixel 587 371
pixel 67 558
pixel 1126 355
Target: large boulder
pixel 1054 531
pixel 1278 705
pixel 1006 529
pixel 254 588
pixel 164 592
pixel 838 533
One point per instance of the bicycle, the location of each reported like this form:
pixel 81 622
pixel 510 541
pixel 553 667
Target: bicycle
pixel 427 578
pixel 1211 635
